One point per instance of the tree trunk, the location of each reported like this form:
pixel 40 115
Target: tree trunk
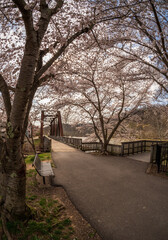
pixel 104 148
pixel 13 168
pixel 13 180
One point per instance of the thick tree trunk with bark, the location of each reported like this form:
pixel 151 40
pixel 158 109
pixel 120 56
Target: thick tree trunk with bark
pixel 12 165
pixel 13 180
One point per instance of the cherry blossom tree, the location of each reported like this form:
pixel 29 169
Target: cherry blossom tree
pixel 102 92
pixel 142 37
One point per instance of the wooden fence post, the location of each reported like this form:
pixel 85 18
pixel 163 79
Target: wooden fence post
pixel 122 149
pixel 158 156
pixel 133 148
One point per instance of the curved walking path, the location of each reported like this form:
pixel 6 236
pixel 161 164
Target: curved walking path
pixel 114 194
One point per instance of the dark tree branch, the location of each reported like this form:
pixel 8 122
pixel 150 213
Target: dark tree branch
pixel 160 84
pixel 26 15
pixel 159 27
pixel 7 18
pixel 42 54
pixel 61 50
pixel 96 39
pixel 21 4
pixel 5 95
pixel 109 18
pixel 115 129
pixel 46 15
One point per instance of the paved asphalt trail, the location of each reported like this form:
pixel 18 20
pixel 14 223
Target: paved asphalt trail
pixel 114 194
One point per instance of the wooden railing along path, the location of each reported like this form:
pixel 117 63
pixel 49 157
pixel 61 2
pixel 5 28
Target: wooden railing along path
pixel 126 148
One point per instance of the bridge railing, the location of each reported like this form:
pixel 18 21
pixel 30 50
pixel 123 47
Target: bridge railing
pixel 89 146
pixel 75 142
pixel 133 147
pixel 114 149
pixel 96 146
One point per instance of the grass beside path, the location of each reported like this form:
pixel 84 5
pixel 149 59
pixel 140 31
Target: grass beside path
pixel 43 156
pixel 53 215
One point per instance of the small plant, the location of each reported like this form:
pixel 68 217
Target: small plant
pixel 58 232
pixel 45 156
pixel 60 226
pixel 66 236
pixel 66 222
pixel 42 202
pixel 30 172
pixel 29 159
pixel 92 234
pixel 50 203
pixel 32 197
pixel 35 238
